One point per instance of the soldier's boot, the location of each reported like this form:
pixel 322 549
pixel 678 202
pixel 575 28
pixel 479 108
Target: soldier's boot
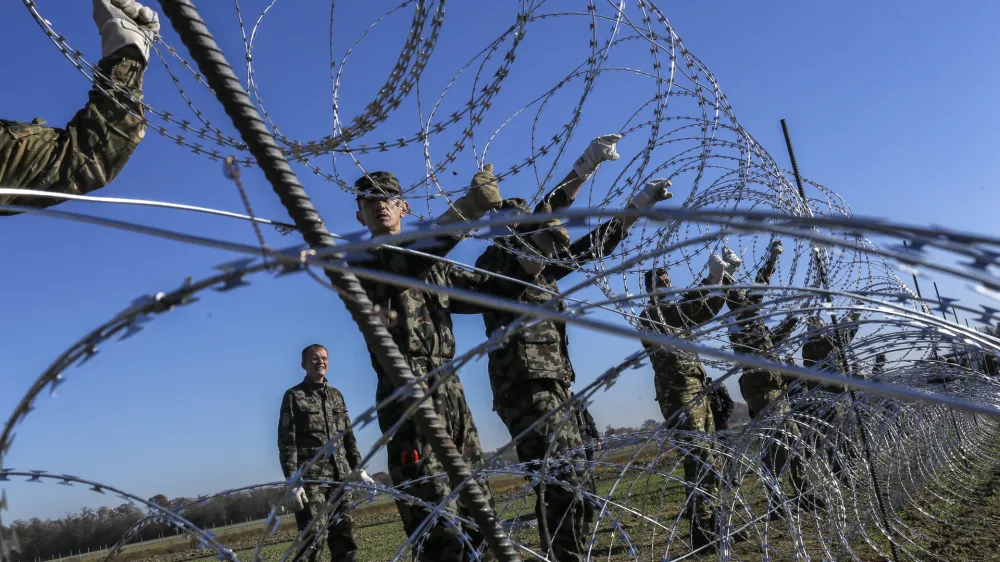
pixel 703 537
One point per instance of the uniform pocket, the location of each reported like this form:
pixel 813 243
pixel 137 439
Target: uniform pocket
pixel 541 349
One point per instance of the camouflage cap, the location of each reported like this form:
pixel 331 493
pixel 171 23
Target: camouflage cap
pixel 378 185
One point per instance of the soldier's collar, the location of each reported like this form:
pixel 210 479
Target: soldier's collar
pixel 310 382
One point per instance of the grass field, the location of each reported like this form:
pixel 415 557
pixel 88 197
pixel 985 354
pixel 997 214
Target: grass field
pixel 936 525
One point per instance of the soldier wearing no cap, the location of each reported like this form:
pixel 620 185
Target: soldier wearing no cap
pixel 95 145
pixel 312 413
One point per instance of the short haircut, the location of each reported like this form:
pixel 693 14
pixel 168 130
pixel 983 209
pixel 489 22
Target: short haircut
pixel 311 348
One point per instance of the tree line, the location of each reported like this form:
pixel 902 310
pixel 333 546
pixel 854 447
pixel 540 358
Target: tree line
pixel 96 529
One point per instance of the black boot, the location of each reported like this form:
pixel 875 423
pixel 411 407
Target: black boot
pixel 702 537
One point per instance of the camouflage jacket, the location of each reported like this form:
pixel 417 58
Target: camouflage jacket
pixel 751 336
pixel 311 414
pixel 422 325
pixel 673 319
pixel 87 154
pixel 825 352
pixel 540 352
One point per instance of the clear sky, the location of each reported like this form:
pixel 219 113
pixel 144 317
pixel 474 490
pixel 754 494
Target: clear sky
pixel 890 104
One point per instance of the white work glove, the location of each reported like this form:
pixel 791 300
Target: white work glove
pixel 299 499
pixel 716 268
pixel 125 22
pixel 733 262
pixel 600 150
pixel 367 479
pixel 652 193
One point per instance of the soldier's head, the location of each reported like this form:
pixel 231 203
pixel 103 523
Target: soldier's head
pixel 657 278
pixel 380 203
pixel 517 206
pixel 315 360
pixel 815 323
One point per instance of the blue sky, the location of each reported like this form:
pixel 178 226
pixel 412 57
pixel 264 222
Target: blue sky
pixel 888 104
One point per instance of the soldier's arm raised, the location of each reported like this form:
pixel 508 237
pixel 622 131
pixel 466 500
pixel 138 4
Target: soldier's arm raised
pixel 493 259
pixel 784 329
pixel 287 451
pixel 697 306
pixel 86 155
pixel 95 145
pixel 847 333
pixel 601 149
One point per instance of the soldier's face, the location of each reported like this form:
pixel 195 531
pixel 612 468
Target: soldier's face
pixel 661 283
pixel 316 363
pixel 382 216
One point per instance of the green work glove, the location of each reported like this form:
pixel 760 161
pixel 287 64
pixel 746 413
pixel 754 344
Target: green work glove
pixel 482 196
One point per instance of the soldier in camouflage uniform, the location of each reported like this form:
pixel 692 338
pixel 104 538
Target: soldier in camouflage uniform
pixel 762 388
pixel 312 413
pixel 679 380
pixel 98 141
pixel 824 348
pixel 420 323
pixel 532 374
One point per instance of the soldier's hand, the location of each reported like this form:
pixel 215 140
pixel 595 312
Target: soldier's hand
pixel 733 261
pixel 775 250
pixel 482 196
pixel 552 239
pixel 653 192
pixel 367 479
pixel 299 499
pixel 124 23
pixel 716 267
pixel 485 190
pixel 601 149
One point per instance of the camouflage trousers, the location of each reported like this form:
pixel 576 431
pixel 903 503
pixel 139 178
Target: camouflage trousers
pixel 762 389
pixel 560 507
pixel 682 392
pixel 412 460
pixel 338 528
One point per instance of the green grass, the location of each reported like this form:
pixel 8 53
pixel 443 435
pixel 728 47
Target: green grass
pixel 970 535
